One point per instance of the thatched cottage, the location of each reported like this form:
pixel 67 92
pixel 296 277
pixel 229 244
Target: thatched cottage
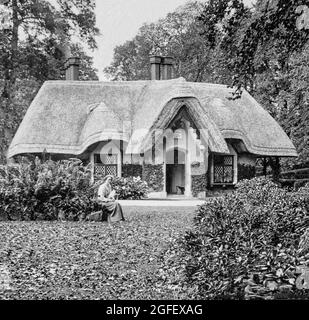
pixel 181 137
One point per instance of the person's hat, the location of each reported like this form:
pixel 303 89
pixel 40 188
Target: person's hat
pixel 108 176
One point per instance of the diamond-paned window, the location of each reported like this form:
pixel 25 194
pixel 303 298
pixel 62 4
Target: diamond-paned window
pixel 105 164
pixel 223 169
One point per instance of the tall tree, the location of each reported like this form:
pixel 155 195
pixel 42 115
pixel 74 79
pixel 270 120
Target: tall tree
pixel 36 37
pixel 268 38
pixel 294 102
pixel 177 35
pixel 44 24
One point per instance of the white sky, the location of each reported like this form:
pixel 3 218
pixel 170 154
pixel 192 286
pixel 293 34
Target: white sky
pixel 119 20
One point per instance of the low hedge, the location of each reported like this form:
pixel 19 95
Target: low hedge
pixel 245 244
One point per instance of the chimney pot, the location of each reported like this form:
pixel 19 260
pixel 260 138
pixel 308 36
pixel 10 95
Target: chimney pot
pixel 167 66
pixel 71 67
pixel 155 62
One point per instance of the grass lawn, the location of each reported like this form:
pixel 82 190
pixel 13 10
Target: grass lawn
pixel 91 260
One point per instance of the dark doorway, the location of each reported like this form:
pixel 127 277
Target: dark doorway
pixel 175 178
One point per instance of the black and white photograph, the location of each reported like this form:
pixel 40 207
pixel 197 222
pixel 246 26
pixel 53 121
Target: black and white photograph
pixel 154 151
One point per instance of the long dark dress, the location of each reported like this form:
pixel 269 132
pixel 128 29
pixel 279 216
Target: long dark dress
pixel 113 207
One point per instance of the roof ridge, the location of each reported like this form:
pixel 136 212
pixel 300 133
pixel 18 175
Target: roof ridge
pixel 209 84
pixel 134 82
pixel 91 82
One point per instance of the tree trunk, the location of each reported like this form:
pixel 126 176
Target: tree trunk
pixel 11 67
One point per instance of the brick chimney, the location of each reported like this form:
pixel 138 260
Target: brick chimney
pixel 71 67
pixel 167 68
pixel 155 62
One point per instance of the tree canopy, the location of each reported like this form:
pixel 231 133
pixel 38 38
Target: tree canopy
pixel 36 37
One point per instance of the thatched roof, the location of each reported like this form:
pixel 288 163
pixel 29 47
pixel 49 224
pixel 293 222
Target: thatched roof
pixel 69 116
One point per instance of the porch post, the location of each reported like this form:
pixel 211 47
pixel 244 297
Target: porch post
pixel 164 164
pixel 92 167
pixel 188 183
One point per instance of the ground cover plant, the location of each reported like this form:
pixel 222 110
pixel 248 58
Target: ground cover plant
pixel 87 260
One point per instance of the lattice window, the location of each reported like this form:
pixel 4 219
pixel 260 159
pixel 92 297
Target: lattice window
pixel 105 164
pixel 99 169
pixel 111 169
pixel 223 169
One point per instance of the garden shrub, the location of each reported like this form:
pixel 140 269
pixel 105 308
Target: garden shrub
pixel 245 244
pixel 198 184
pixel 46 190
pixel 132 188
pixel 131 170
pixel 153 175
pixel 52 190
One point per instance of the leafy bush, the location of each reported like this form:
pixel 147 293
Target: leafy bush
pixel 198 184
pixel 131 170
pixel 153 175
pixel 46 190
pixel 132 188
pixel 244 245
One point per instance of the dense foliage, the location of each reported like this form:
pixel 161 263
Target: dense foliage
pixel 131 188
pixel 153 174
pixel 245 244
pixel 35 190
pixel 36 37
pixel 46 190
pixel 198 184
pixel 176 34
pixel 131 170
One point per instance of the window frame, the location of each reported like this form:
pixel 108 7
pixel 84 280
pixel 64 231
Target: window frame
pixel 223 166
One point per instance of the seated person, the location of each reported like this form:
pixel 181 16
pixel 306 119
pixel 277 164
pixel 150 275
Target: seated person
pixel 106 196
